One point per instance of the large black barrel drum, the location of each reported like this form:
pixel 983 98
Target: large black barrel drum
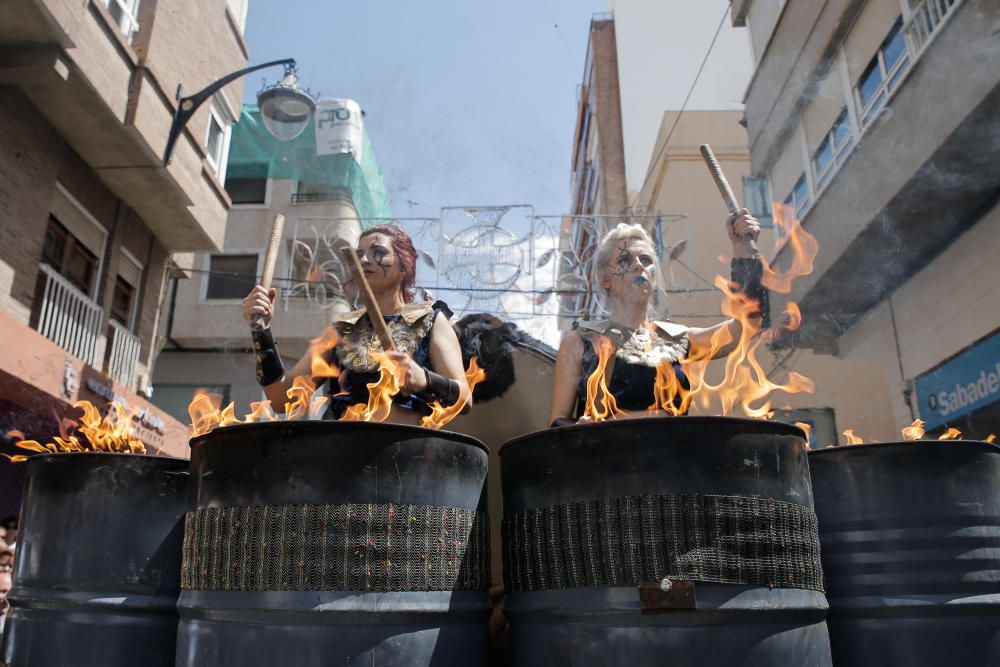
pixel 684 541
pixel 97 572
pixel 335 543
pixel 910 533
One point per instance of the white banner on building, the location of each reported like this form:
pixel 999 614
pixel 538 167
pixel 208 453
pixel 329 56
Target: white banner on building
pixel 339 127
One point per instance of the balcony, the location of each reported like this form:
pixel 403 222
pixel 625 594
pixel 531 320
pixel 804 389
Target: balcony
pixel 921 172
pixel 74 321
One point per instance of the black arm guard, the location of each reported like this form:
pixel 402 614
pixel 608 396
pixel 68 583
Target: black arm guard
pixel 562 421
pixel 746 273
pixel 269 366
pixel 440 388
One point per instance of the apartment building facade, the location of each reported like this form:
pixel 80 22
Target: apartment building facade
pixel 876 122
pixel 91 222
pixel 326 199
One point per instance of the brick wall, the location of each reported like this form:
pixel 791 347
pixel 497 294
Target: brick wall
pixel 30 155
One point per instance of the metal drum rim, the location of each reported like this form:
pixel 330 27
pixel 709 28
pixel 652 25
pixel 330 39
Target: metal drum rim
pixel 909 444
pixel 327 425
pixel 52 456
pixel 609 423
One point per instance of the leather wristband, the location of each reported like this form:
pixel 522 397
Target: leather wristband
pixel 562 421
pixel 440 388
pixel 747 273
pixel 269 366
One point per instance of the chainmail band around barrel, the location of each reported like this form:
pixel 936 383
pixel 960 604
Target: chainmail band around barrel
pixel 622 541
pixel 350 547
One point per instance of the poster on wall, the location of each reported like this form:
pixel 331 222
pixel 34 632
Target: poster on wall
pixel 339 127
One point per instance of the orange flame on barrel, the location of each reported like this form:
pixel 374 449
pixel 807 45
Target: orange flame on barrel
pixel 380 392
pixel 951 434
pixel 991 437
pixel 260 411
pixel 601 403
pixel 808 429
pixel 914 431
pixel 111 432
pixel 441 415
pixel 853 439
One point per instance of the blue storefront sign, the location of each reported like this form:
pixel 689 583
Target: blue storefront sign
pixel 966 383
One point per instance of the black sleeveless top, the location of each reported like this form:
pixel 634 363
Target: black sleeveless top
pixel 411 333
pixel 637 354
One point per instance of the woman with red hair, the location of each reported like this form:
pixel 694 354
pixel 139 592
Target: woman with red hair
pixel 425 343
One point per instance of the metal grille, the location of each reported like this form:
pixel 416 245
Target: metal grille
pixel 336 548
pixel 622 541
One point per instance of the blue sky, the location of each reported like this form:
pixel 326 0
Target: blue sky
pixel 468 102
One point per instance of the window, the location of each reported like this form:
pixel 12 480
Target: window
pixel 125 13
pixel 231 276
pixel 798 198
pixel 64 253
pixel 757 197
pixel 247 183
pixel 832 149
pixel 122 301
pixel 214 140
pixel 883 73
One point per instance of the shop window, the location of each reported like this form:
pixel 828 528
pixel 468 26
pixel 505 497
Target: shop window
pixel 231 276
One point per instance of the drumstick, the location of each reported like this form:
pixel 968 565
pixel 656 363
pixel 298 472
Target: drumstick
pixel 270 259
pixel 727 192
pixel 365 291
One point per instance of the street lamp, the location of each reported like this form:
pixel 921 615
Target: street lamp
pixel 285 107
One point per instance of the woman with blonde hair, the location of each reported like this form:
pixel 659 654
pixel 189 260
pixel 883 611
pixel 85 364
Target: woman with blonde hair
pixel 626 279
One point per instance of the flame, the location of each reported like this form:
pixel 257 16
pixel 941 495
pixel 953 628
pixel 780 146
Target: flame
pixel 597 383
pixel 318 349
pixel 914 431
pixel 299 396
pixel 669 395
pixel 441 415
pixel 951 434
pixel 204 412
pixel 745 384
pixel 991 437
pixel 853 439
pixel 808 429
pixel 260 411
pixel 111 432
pixel 380 392
pixel 804 249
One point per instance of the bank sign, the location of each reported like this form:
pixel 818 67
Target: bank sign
pixel 966 383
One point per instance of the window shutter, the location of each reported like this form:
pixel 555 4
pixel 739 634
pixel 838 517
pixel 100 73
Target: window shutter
pixel 78 221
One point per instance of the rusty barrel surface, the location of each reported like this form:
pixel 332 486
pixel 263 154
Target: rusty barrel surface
pixel 335 543
pixel 719 507
pixel 97 572
pixel 910 534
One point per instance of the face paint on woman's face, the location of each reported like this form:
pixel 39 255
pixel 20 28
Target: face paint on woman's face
pixel 378 260
pixel 632 269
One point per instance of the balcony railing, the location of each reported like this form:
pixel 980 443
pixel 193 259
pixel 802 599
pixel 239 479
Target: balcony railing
pixel 123 356
pixel 68 317
pixel 926 17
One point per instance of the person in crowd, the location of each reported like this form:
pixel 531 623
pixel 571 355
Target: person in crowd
pixel 10 531
pixel 6 558
pixel 627 281
pixel 6 583
pixel 426 345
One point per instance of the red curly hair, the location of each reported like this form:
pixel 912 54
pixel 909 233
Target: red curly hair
pixel 402 245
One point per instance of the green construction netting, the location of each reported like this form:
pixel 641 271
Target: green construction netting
pixel 254 154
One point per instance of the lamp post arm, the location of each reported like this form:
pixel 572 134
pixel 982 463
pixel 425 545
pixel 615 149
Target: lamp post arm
pixel 186 106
